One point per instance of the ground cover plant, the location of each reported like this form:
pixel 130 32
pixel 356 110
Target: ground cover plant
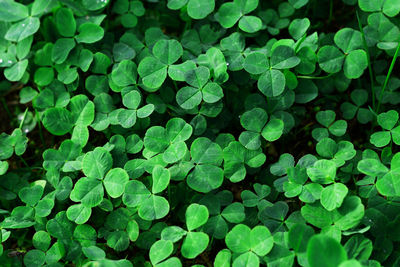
pixel 199 133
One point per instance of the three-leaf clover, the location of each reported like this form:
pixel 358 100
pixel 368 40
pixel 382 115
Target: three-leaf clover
pixel 153 69
pixel 231 12
pixel 151 206
pixel 249 243
pixel 190 97
pixel 388 121
pixel 256 123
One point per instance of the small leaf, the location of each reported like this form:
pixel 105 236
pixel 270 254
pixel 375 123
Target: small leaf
pixel 332 196
pixel 161 177
pixel 194 244
pixel 196 215
pixel 115 182
pixel 89 33
pixel 160 250
pixel 323 250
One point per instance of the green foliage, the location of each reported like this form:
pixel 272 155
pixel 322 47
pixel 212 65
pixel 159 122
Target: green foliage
pixel 197 133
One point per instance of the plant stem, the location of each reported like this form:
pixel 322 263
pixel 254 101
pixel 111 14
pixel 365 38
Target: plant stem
pixel 40 127
pixel 371 74
pixel 396 54
pixel 3 101
pixel 23 161
pixel 330 11
pixel 23 118
pixel 315 77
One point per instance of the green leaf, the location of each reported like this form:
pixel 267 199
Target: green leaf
pixel 15 72
pixel 196 215
pixel 391 8
pixel 115 182
pixel 326 118
pixel 387 120
pixel 34 257
pixel 194 244
pixel 96 163
pixel 39 6
pixel 205 178
pixel 372 167
pixel 330 59
pixel 88 191
pixel 199 9
pixel 283 57
pixel 3 167
pixel 79 213
pixel 31 195
pixel 41 240
pixel 61 50
pixel 250 24
pixel 234 213
pixel 65 22
pixel 299 27
pixel 197 77
pixel 299 234
pixel 160 250
pixel 175 152
pixel 118 240
pixel 261 240
pixel 223 258
pixel 23 29
pixel 152 71
pixel 348 40
pixel 11 11
pixel 204 151
pixel 125 73
pixel 272 83
pixel 239 239
pixel 254 119
pixel 332 196
pixel 93 5
pixel 167 51
pixel 212 93
pixel 94 253
pixel 89 33
pixel 188 97
pixel 228 14
pixel 380 139
pixel 273 130
pixel 323 171
pixel 57 121
pixel 256 63
pixel 55 253
pixel 389 185
pixel 323 250
pixel 135 194
pixel 246 259
pixel 338 128
pixel 161 178
pixel 370 5
pixel 44 76
pixel 154 208
pixel 176 4
pixel 177 130
pixel 355 64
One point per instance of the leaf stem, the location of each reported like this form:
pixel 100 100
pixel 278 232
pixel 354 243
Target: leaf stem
pixel 23 118
pixel 3 101
pixel 23 161
pixel 371 73
pixel 330 11
pixel 40 127
pixel 315 77
pixel 396 54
